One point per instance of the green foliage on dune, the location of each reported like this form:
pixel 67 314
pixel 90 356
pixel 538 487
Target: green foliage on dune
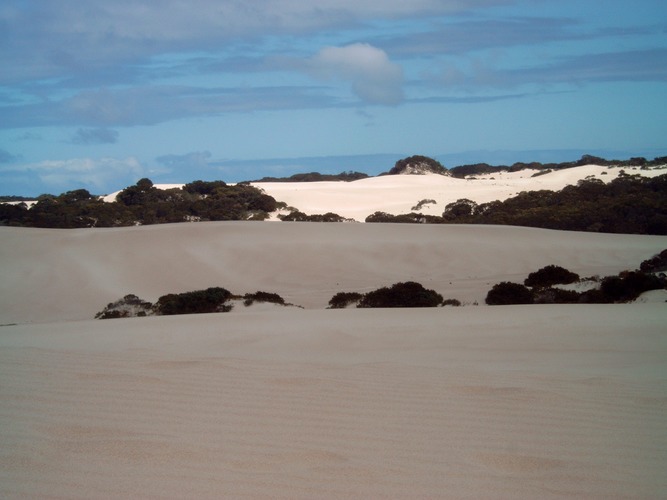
pixel 628 204
pixel 143 204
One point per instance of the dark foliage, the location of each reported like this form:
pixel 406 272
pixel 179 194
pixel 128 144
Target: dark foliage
pixel 297 216
pixel 628 286
pixel 550 275
pixel 507 293
pixel 201 301
pixel 628 204
pixel 251 298
pixel 348 176
pixel 424 163
pixel 411 218
pixel 451 302
pixel 555 296
pixel 344 299
pixel 143 203
pixel 130 305
pixel 408 294
pixel 484 168
pixel 657 263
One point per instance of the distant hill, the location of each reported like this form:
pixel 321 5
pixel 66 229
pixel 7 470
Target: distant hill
pixel 418 165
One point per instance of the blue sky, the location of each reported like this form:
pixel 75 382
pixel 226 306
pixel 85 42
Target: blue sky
pixel 96 94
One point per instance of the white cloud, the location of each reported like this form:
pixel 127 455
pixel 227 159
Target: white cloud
pixel 374 78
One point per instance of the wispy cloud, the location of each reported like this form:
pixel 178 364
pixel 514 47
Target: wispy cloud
pixel 149 105
pixel 7 157
pixel 626 66
pixel 95 174
pixel 87 136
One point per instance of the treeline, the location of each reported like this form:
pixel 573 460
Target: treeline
pixel 142 204
pixel 484 168
pixel 629 204
pixel 348 176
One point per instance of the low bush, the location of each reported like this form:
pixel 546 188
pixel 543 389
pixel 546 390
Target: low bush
pixel 250 298
pixel 451 302
pixel 507 293
pixel 197 302
pixel 408 294
pixel 128 306
pixel 657 263
pixel 549 276
pixel 344 299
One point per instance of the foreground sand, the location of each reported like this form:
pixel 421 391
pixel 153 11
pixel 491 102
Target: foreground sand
pixel 487 402
pixel 470 402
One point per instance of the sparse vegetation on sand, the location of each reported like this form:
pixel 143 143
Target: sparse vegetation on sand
pixel 539 287
pixel 210 300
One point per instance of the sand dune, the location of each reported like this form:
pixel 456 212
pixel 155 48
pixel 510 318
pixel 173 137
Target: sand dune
pixel 471 402
pixel 55 275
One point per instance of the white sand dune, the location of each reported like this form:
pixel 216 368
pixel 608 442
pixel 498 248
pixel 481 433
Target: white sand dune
pixel 561 401
pixel 397 194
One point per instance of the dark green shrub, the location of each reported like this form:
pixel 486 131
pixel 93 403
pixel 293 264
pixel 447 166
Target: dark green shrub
pixel 343 299
pixel 408 294
pixel 507 293
pixel 128 306
pixel 550 275
pixel 655 264
pixel 555 296
pixel 629 286
pixel 251 298
pixel 451 302
pixel 197 302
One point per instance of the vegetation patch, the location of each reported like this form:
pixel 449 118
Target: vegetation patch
pixel 407 294
pixel 625 287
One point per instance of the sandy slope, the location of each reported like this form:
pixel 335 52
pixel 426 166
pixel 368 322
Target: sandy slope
pixel 487 402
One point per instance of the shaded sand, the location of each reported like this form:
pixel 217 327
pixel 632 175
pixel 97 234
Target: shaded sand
pixel 55 275
pixel 487 402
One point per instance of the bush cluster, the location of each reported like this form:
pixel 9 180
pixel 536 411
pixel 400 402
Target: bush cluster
pixel 625 287
pixel 406 294
pixel 200 301
pixel 549 276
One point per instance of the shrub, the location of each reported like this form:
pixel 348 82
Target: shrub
pixel 451 302
pixel 555 296
pixel 550 275
pixel 344 299
pixel 197 302
pixel 656 263
pixel 408 294
pixel 251 298
pixel 128 306
pixel 507 293
pixel 629 286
